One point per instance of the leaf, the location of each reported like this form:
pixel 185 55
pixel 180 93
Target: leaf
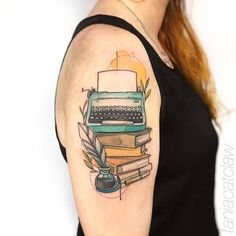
pixel 87 146
pixel 84 112
pixel 98 145
pixel 142 86
pixel 86 143
pixel 147 83
pixel 91 151
pixel 88 164
pixel 86 133
pixel 81 111
pixel 84 119
pixel 85 104
pixel 147 94
pixel 91 135
pixel 94 155
pixel 103 155
pixel 87 157
pixel 96 159
pixel 91 144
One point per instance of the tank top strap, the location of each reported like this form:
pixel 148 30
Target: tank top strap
pixel 109 20
pixel 121 23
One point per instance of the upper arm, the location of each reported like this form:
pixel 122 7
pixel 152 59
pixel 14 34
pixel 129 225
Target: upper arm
pixel 103 207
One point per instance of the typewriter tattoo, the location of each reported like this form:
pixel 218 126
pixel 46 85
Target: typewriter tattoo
pixel 114 131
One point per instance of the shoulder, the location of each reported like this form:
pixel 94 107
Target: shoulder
pixel 103 35
pixel 102 47
pixel 99 43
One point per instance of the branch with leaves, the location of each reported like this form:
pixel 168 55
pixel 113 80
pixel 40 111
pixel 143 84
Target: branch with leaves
pixel 146 92
pixel 88 161
pixel 92 146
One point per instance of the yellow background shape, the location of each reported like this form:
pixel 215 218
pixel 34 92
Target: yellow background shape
pixel 127 61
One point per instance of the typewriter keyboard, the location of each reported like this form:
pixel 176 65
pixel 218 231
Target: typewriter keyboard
pixel 133 114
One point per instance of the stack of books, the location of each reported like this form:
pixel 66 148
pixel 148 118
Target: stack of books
pixel 126 154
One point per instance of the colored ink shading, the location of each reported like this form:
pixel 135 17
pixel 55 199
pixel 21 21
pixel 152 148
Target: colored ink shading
pixel 114 131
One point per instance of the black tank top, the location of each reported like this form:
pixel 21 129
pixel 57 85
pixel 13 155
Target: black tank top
pixel 183 203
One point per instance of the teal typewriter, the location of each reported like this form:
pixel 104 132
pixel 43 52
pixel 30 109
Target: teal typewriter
pixel 117 109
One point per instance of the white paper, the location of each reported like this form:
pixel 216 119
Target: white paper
pixel 117 81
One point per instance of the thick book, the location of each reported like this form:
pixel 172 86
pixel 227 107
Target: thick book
pixel 135 173
pixel 135 179
pixel 124 152
pixel 127 139
pixel 124 164
pixel 120 165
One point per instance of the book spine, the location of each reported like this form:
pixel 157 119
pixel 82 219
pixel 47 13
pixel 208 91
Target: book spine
pixel 118 140
pixel 135 173
pixel 139 140
pixel 132 166
pixel 135 179
pixel 131 140
pixel 124 152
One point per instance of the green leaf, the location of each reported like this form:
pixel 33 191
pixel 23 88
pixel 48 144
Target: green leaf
pixel 147 83
pixel 103 155
pixel 147 94
pixel 142 86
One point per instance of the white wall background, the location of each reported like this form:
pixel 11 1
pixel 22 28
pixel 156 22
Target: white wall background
pixel 35 193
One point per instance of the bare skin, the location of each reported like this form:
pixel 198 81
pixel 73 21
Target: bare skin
pixel 131 215
pixel 150 11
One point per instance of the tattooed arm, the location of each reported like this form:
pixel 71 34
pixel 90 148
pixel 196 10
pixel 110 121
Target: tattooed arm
pixel 107 110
